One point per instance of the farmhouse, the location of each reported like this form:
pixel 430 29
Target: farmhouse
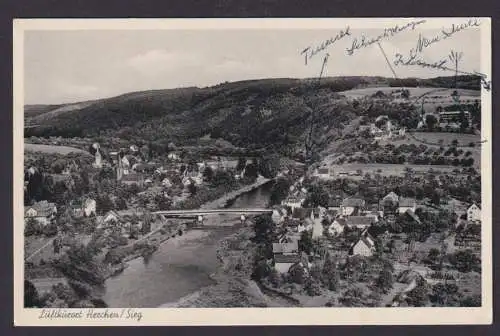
pixel 43 212
pixel 350 205
pixel 337 226
pixel 365 246
pixel 285 255
pixel 474 213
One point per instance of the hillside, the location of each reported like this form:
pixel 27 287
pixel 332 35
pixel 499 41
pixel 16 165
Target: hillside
pixel 251 114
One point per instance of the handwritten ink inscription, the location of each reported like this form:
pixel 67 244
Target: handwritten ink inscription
pixel 423 42
pixel 363 41
pixel 310 52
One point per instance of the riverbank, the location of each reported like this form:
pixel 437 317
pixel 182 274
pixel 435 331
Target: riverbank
pixel 187 264
pixel 221 202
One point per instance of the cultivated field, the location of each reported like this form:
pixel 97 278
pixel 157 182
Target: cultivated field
pixel 432 93
pixel 386 169
pixel 50 149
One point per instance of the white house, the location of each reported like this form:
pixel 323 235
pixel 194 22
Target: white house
pixel 365 246
pixel 166 183
pixel 279 214
pixel 90 206
pixel 173 156
pixel 43 212
pixel 474 213
pixel 293 202
pixel 337 226
pixel 349 205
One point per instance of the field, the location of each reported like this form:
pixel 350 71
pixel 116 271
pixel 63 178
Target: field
pixel 51 149
pixel 440 93
pixel 386 169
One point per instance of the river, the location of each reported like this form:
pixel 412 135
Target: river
pixel 181 265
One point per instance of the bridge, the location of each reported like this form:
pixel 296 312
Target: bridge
pixel 200 213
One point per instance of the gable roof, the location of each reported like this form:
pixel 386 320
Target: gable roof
pixel 359 220
pixel 474 205
pixel 353 202
pixel 286 258
pixel 42 208
pixel 407 202
pixel 286 247
pixel 334 202
pixel 392 196
pixel 132 177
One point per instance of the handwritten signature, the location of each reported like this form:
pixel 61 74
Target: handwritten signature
pixel 363 41
pixel 425 42
pixel 310 52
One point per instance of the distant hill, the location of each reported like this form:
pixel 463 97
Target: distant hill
pixel 250 114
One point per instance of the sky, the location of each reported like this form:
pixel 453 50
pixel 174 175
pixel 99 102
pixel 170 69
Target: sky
pixel 77 65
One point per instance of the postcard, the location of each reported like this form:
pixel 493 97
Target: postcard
pixel 318 171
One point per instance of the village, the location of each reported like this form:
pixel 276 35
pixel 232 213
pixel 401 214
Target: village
pixel 391 250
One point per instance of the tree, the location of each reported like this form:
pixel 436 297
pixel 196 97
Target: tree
pixel 305 242
pixel 385 280
pixel 192 189
pixel 465 261
pixel 433 255
pixel 103 204
pixel 241 163
pixel 445 294
pixel 279 191
pixel 208 174
pixel 471 301
pixel 317 197
pixel 330 275
pixel 430 121
pixel 31 298
pixel 418 296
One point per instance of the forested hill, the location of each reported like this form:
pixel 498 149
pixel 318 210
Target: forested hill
pixel 250 114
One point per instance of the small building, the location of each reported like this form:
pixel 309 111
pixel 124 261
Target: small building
pixel 406 204
pixel 43 212
pixel 279 214
pixel 293 202
pixel 166 183
pixel 323 173
pixel 350 205
pixel 359 222
pixel 365 246
pixel 474 213
pixel 335 204
pixel 84 208
pixel 283 262
pixel 134 178
pixel 174 156
pixel 337 226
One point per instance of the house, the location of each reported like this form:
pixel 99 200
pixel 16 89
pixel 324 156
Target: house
pixel 359 222
pixel 43 212
pixel 85 208
pixel 279 214
pixel 166 183
pixel 287 248
pixel 323 173
pixel 174 157
pixel 365 246
pixel 134 148
pixel 110 217
pixel 474 213
pixel 337 226
pixel 293 202
pixel 283 262
pixel 334 203
pixel 350 205
pixel 286 254
pixel 406 204
pixel 134 178
pixel 392 196
pixel 413 216
pixel 143 167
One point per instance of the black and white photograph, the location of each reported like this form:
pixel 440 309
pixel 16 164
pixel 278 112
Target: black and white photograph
pixel 260 163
